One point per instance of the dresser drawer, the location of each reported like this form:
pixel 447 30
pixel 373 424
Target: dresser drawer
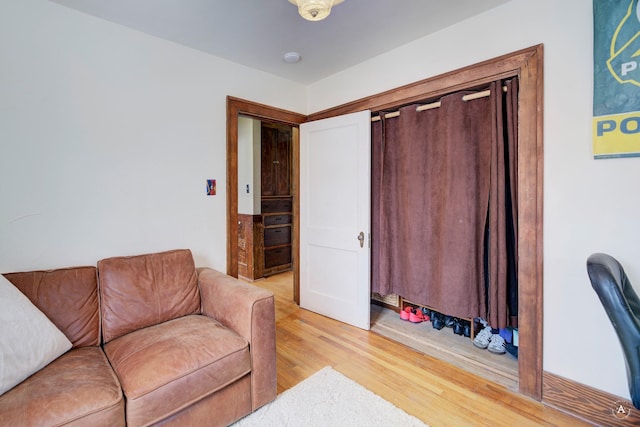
pixel 278 256
pixel 277 236
pixel 276 205
pixel 277 219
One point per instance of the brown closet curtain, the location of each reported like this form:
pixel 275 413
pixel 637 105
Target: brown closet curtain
pixel 502 249
pixel 432 185
pixel 511 145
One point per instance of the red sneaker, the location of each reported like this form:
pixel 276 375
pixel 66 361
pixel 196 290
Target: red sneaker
pixel 404 314
pixel 416 316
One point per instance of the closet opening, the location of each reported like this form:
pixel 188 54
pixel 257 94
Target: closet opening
pixel 527 66
pixel 443 241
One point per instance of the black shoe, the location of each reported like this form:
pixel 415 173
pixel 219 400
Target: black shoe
pixel 477 325
pixel 458 328
pixel 437 321
pixel 466 329
pixel 449 321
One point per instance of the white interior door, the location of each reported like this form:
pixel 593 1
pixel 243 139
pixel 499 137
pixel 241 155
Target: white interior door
pixel 335 217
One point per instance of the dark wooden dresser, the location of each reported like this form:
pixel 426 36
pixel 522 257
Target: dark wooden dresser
pixel 277 221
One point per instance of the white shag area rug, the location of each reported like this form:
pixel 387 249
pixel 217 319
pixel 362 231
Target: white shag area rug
pixel 328 398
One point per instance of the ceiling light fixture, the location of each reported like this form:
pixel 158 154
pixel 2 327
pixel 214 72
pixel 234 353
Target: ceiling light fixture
pixel 315 10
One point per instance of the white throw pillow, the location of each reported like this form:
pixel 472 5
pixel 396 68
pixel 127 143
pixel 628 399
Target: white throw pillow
pixel 28 339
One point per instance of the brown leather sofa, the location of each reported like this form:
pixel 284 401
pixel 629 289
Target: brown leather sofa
pixel 155 342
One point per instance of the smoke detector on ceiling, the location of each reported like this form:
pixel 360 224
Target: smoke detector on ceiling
pixel 291 57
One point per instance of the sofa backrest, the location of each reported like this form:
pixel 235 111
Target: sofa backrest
pixel 68 297
pixel 144 290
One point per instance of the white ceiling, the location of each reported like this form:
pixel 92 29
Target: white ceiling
pixel 257 33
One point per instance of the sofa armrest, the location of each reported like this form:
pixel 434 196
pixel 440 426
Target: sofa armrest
pixel 250 312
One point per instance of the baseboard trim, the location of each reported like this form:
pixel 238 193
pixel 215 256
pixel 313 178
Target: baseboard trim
pixel 588 404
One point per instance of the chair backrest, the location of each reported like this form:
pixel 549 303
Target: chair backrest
pixel 144 290
pixel 616 293
pixel 622 305
pixel 68 297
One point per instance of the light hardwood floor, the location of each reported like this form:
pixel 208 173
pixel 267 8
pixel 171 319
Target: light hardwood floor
pixel 434 391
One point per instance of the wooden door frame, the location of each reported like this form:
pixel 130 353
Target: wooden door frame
pixel 527 65
pixel 235 108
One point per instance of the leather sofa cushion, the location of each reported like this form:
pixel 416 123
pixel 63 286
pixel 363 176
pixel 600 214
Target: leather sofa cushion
pixel 145 290
pixel 68 297
pixel 166 367
pixel 78 388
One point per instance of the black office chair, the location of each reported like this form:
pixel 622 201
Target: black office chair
pixel 622 305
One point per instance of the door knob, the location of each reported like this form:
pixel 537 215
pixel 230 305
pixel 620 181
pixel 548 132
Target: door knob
pixel 361 238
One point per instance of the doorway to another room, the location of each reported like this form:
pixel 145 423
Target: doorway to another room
pixel 265 200
pixel 237 111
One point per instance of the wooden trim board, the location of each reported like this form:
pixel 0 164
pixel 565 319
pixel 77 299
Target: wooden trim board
pixel 589 404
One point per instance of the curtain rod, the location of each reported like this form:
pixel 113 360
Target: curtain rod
pixel 437 104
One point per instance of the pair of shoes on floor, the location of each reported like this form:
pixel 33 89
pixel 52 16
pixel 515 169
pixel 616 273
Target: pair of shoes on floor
pixel 461 327
pixel 413 315
pixel 492 342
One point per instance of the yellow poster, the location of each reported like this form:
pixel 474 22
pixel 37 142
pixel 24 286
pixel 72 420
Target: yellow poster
pixel 616 94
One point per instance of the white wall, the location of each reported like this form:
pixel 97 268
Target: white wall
pixel 249 166
pixel 107 138
pixel 589 206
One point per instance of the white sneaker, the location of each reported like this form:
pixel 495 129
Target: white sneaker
pixel 496 345
pixel 482 339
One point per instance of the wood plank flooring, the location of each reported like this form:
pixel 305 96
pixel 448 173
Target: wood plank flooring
pixel 437 392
